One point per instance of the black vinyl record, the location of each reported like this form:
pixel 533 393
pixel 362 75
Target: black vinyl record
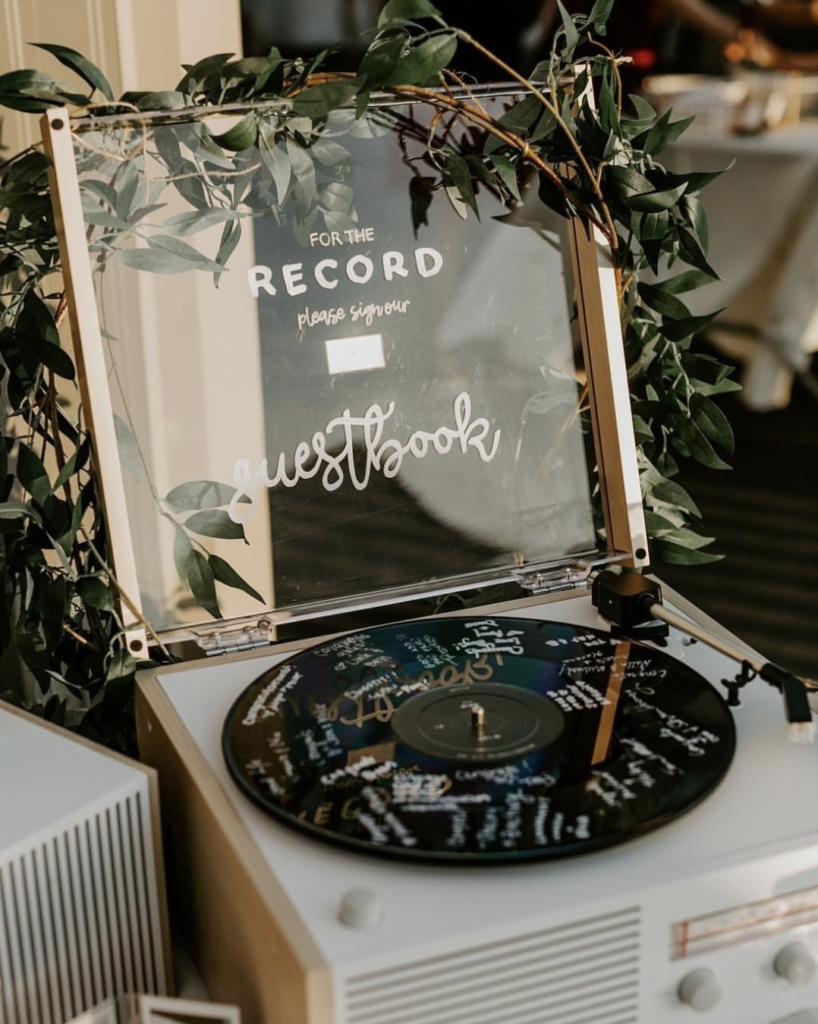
pixel 479 739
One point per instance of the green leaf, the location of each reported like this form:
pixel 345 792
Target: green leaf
pixel 662 134
pixel 671 493
pixel 688 437
pixel 599 15
pixel 330 153
pixel 224 573
pixel 202 583
pixel 196 259
pixel 164 100
pixel 381 58
pixel 121 666
pixel 458 174
pixel 153 261
pixel 18 510
pixel 679 330
pixel 688 538
pixel 241 136
pixel 96 593
pixel 201 494
pixel 337 197
pixel 676 554
pixel 214 523
pixel 182 555
pixel 407 10
pixel 425 61
pixel 318 100
pixel 31 474
pixel 691 252
pixel 507 173
pixel 627 181
pixel 698 218
pixel 652 202
pixel 51 604
pixel 571 33
pixel 85 68
pixel 421 191
pixel 48 354
pixel 128 448
pixel 661 300
pixel 712 422
pixel 198 220
pixel 276 160
pixel 608 114
pixel 15 84
pixel 687 282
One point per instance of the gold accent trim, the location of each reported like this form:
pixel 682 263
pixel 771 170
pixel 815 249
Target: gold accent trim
pixel 90 358
pixel 614 441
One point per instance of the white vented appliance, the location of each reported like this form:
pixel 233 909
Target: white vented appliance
pixel 717 910
pixel 82 912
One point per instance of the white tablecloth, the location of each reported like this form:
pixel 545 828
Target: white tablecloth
pixel 763 216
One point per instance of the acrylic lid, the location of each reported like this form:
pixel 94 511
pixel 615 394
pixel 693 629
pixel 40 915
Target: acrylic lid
pixel 331 382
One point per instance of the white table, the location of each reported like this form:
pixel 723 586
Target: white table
pixel 763 216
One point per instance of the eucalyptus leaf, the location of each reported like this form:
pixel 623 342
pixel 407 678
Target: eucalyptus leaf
pixel 203 584
pixel 407 10
pixel 319 100
pixel 96 593
pixel 192 222
pixel 182 555
pixel 214 523
pixel 570 30
pixel 83 67
pixel 712 422
pixel 677 554
pixel 32 474
pixel 672 493
pixel 224 573
pixel 425 61
pixel 128 448
pixel 201 494
pixel 382 57
pixel 18 510
pixel 241 136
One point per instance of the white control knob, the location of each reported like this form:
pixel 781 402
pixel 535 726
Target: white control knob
pixel 795 962
pixel 360 908
pixel 699 990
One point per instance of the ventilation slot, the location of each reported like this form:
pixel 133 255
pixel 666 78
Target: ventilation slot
pixel 583 973
pixel 79 918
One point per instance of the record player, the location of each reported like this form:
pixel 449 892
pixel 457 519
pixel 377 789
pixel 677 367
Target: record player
pixel 386 804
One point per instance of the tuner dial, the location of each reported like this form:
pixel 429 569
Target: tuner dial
pixel 699 990
pixel 795 963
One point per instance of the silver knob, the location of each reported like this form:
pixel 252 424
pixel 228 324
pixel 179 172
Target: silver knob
pixel 360 908
pixel 699 990
pixel 795 962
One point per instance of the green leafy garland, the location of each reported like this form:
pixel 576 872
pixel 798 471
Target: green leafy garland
pixel 596 157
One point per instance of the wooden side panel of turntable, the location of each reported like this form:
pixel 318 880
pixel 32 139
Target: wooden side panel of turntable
pixel 246 940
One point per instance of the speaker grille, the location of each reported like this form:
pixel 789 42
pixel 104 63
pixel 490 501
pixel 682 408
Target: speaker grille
pixel 79 916
pixel 585 972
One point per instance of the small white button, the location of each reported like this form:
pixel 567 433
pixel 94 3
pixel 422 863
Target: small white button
pixel 699 990
pixel 795 962
pixel 360 908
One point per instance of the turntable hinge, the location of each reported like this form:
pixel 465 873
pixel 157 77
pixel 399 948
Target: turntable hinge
pixel 233 639
pixel 569 577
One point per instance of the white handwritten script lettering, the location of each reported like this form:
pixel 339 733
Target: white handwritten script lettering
pixel 383 455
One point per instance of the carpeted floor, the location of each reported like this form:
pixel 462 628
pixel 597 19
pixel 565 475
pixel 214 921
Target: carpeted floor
pixel 764 515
